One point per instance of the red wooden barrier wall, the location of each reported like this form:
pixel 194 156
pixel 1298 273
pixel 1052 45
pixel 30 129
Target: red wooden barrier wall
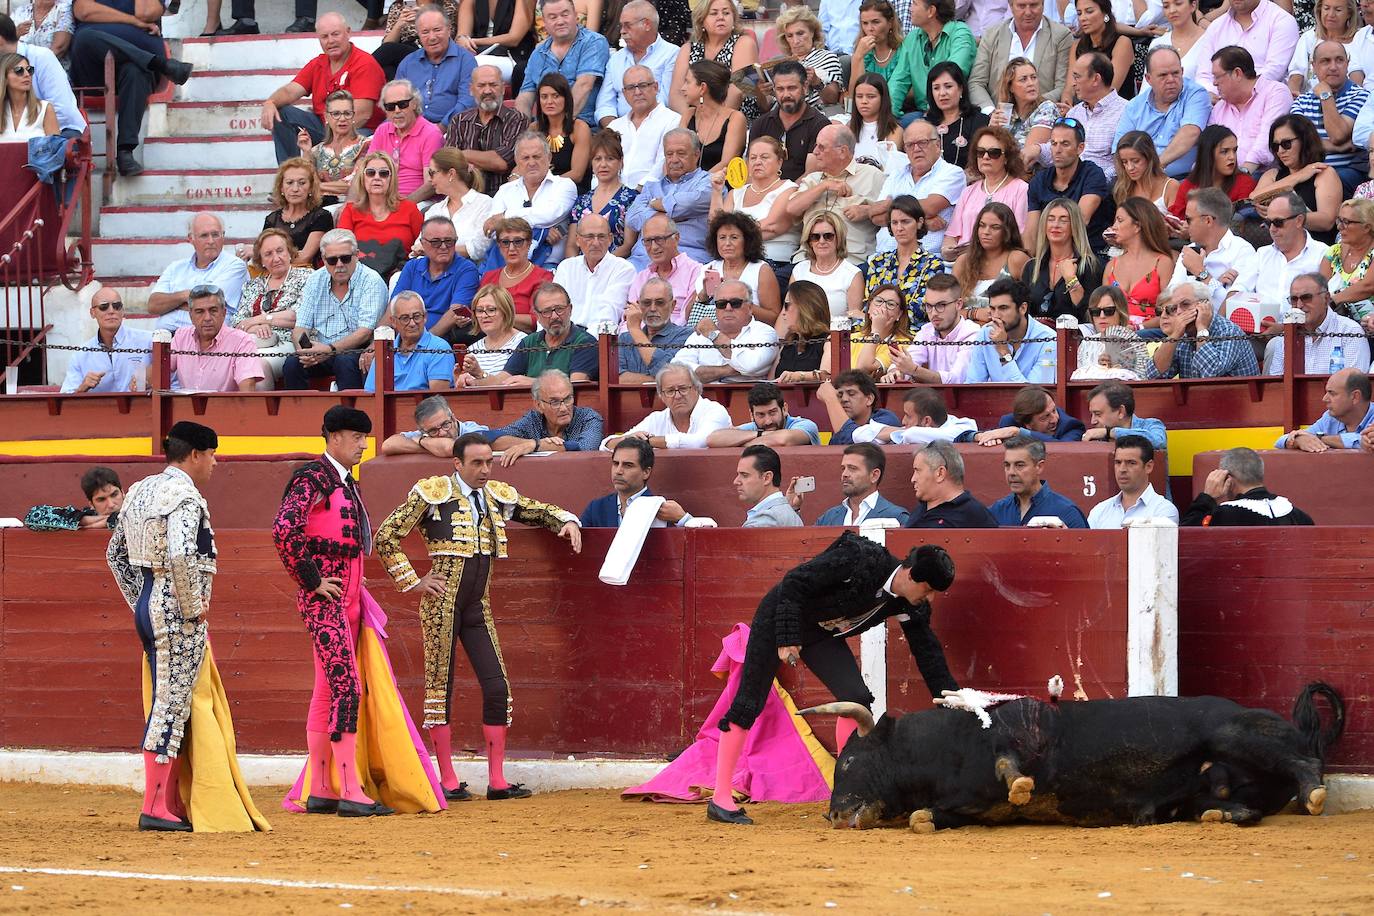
pixel 1335 487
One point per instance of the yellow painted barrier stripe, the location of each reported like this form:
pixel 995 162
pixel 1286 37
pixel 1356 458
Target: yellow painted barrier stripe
pixel 1184 444
pixel 121 448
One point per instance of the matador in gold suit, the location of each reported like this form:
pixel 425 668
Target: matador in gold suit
pixel 463 520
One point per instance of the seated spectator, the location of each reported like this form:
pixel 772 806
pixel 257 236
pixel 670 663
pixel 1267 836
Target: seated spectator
pixel 1030 496
pixel 770 193
pixel 844 188
pixel 227 358
pixel 558 344
pixel 640 131
pixel 1300 166
pixel 1139 173
pixel 340 305
pixel 770 424
pixel 1110 347
pixel 300 212
pixel 1071 178
pixel 555 424
pixel 24 114
pixel 1033 111
pixel 886 330
pixel 1293 252
pixel 494 311
pixel 385 224
pixel 1346 263
pixel 935 357
pixel 1186 27
pixel 792 122
pixel 683 194
pixel 597 281
pixel 1111 416
pixel 50 81
pixel 851 401
pixel 736 344
pixel 801 39
pixel 1099 109
pixel 735 244
pixel 440 68
pixel 334 157
pixel 436 429
pixel 1263 29
pixel 1217 166
pixel 1234 495
pixel 610 200
pixel 994 249
pixel 443 282
pixel 104 499
pixel 877 132
pixel 415 366
pixel 1133 461
pixel 826 263
pixel 632 463
pixel 537 196
pixel 955 118
pixel 519 277
pixel 211 264
pixel 1348 413
pixel 683 273
pixel 1247 104
pixel 267 305
pixel 132 34
pixel 1332 105
pixel 880 36
pixel 1172 111
pixel 706 86
pixel 757 480
pixel 1012 346
pixel 486 133
pixel 51 29
pixel 641 46
pixel 803 336
pixel 687 419
pixel 924 420
pixel 1146 259
pixel 997 176
pixel 576 52
pixel 341 65
pixel 569 137
pixel 935 38
pixel 908 265
pixel 110 361
pixel 1183 354
pixel 937 477
pixel 459 184
pixel 1218 259
pixel 1324 332
pixel 719 35
pixel 651 339
pixel 407 137
pixel 405 32
pixel 1339 22
pixel 1033 415
pixel 861 470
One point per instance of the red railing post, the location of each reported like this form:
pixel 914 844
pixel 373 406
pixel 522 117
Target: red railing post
pixel 608 358
pixel 1294 363
pixel 160 387
pixel 382 369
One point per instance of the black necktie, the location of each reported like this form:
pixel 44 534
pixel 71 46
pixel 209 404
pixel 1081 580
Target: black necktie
pixel 364 523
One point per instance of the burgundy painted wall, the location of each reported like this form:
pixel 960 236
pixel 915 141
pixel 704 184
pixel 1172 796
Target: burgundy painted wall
pixel 1335 487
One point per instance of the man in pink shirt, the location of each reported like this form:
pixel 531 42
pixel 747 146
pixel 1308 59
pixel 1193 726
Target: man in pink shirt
pixel 1248 104
pixel 683 274
pixel 929 360
pixel 228 358
pixel 406 137
pixel 1262 27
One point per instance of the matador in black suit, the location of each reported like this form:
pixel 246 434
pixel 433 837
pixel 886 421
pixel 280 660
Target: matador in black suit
pixel 851 586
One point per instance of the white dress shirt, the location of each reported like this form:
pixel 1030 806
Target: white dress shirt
pixel 1317 358
pixel 549 206
pixel 1276 272
pixel 1233 253
pixel 752 362
pixel 951 429
pixel 1110 513
pixel 865 507
pixel 643 145
pixel 945 179
pixel 707 417
pixel 660 58
pixel 597 294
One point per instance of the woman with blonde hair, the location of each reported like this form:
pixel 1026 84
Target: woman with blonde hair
pixel 995 250
pixel 1337 20
pixel 718 35
pixel 880 35
pixel 887 325
pixel 300 212
pixel 996 176
pixel 267 304
pixel 800 36
pixel 803 335
pixel 25 115
pixel 1347 263
pixel 1146 262
pixel 1063 267
pixel 494 311
pixel 386 225
pixel 1032 115
pixel 460 184
pixel 826 264
pixel 335 156
pixel 1139 173
pixel 1110 347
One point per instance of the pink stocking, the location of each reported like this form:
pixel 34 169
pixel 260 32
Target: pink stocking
pixel 174 803
pixel 440 736
pixel 321 755
pixel 346 759
pixel 844 727
pixel 731 744
pixel 156 779
pixel 495 736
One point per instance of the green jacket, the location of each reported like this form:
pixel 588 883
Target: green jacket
pixel 915 58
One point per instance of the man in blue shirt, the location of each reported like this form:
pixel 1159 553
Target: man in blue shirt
pixel 576 52
pixel 1333 105
pixel 445 283
pixel 436 430
pixel 683 194
pixel 851 401
pixel 412 370
pixel 1111 415
pixel 862 467
pixel 440 70
pixel 1172 111
pixel 650 334
pixel 1023 462
pixel 771 424
pixel 99 367
pixel 555 424
pixel 1013 347
pixel 643 47
pixel 1348 413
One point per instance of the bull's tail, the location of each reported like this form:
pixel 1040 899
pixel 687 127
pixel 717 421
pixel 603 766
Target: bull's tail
pixel 1308 719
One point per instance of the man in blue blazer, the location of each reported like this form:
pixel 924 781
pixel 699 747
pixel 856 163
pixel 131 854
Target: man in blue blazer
pixel 632 463
pixel 861 470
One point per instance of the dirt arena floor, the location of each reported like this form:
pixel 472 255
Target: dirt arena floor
pixel 588 850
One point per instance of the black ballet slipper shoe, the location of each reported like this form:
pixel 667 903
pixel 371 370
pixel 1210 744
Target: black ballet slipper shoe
pixel 316 805
pixel 358 809
pixel 459 794
pixel 514 790
pixel 161 824
pixel 715 812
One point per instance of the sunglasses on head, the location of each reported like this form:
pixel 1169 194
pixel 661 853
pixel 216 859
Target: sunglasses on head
pixel 730 303
pixel 333 260
pixel 377 173
pixel 402 105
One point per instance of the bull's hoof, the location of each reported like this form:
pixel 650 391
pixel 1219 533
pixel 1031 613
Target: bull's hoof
pixel 1020 790
pixel 1316 800
pixel 1215 816
pixel 922 821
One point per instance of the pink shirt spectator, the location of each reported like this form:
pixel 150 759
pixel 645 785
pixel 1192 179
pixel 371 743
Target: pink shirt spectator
pixel 212 372
pixel 1251 121
pixel 950 362
pixel 684 279
pixel 411 152
pixel 1271 38
pixel 964 221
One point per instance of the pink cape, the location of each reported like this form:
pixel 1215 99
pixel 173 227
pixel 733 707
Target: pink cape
pixel 781 761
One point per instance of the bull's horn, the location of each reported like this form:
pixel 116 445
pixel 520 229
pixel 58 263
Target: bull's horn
pixel 854 711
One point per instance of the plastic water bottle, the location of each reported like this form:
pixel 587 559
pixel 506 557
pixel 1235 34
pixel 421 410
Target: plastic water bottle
pixel 1049 366
pixel 1337 359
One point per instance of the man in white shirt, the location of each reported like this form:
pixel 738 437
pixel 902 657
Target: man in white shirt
pixel 924 420
pixel 642 46
pixel 598 283
pixel 211 264
pixel 642 127
pixel 1222 261
pixel 1294 250
pixel 99 367
pixel 687 419
pixel 1309 295
pixel 536 195
pixel 1133 461
pixel 937 184
pixel 738 346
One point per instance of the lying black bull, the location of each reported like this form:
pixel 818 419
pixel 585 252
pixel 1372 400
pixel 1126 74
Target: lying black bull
pixel 1143 760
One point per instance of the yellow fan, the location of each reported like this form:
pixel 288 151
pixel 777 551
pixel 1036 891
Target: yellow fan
pixel 737 173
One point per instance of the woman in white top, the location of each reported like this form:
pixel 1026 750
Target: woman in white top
pixel 25 115
pixel 826 265
pixel 1124 356
pixel 871 121
pixel 494 311
pixel 737 243
pixel 464 202
pixel 1337 20
pixel 764 198
pixel 1186 26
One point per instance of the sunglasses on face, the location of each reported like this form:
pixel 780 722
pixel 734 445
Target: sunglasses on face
pixel 730 303
pixel 1105 311
pixel 402 105
pixel 22 70
pixel 1278 222
pixel 990 152
pixel 377 173
pixel 513 243
pixel 334 260
pixel 1285 145
pixel 1302 298
pixel 822 237
pixel 441 243
pixel 106 306
pixel 1177 308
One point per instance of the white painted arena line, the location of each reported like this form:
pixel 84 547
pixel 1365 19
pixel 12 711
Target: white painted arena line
pixel 290 884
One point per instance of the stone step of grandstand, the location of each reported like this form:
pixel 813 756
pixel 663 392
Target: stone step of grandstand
pixel 155 220
pixel 146 257
pixel 240 52
pixel 178 153
pixel 206 119
pixel 233 85
pixel 173 188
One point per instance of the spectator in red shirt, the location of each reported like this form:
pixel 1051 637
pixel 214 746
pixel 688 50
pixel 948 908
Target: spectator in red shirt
pixel 340 66
pixel 519 276
pixel 385 224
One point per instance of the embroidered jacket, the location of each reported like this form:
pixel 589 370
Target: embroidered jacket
pixel 165 526
pixel 302 553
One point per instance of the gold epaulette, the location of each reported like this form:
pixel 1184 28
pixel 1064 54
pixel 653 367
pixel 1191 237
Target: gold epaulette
pixel 502 492
pixel 435 490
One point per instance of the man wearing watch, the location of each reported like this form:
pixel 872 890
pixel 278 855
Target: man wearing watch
pixel 1217 258
pixel 1333 105
pixel 340 305
pixel 1012 346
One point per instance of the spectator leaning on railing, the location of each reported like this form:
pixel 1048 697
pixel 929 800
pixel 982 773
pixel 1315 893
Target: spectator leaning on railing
pixel 436 429
pixel 555 424
pixel 1323 331
pixel 687 418
pixel 1348 414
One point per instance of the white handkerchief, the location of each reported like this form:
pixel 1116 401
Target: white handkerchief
pixel 629 539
